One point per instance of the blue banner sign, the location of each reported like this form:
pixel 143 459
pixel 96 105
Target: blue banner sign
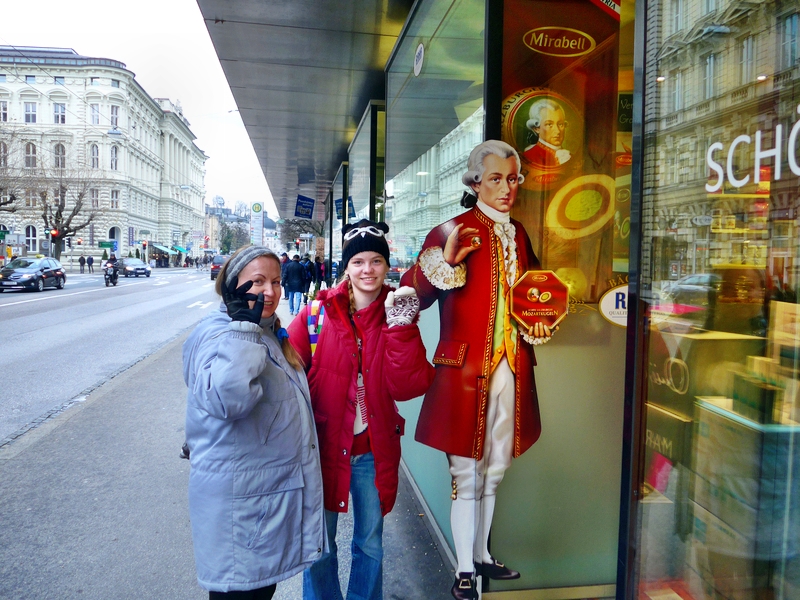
pixel 304 209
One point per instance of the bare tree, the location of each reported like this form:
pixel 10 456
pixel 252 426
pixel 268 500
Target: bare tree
pixel 291 229
pixel 63 204
pixel 12 174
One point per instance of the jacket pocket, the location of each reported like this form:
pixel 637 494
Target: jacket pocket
pixel 399 425
pixel 451 353
pixel 268 514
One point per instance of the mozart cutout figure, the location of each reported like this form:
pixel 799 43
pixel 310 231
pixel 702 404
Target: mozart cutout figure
pixel 482 408
pixel 548 121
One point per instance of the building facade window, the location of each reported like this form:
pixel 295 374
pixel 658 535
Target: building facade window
pixel 114 198
pixel 114 116
pixel 94 151
pixel 60 154
pixel 709 76
pixel 788 41
pixel 59 113
pixel 115 83
pixel 676 90
pixel 2 77
pixel 677 15
pixel 709 6
pixel 114 157
pixel 30 198
pixel 58 80
pixel 30 112
pixel 746 60
pixel 30 78
pixel 94 196
pixel 31 242
pixel 94 81
pixel 3 111
pixel 30 155
pixel 94 110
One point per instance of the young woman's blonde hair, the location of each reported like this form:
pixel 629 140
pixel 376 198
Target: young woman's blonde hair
pixel 291 355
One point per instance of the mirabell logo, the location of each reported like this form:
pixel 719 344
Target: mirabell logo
pixel 559 41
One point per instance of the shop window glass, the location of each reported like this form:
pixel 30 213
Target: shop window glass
pixel 719 513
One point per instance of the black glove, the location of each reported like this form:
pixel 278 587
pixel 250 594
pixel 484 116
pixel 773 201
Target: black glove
pixel 236 300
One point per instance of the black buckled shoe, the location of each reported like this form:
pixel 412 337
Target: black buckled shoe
pixel 464 587
pixel 496 570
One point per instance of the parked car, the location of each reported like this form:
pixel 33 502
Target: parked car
pixel 693 289
pixel 396 269
pixel 216 264
pixel 32 274
pixel 134 266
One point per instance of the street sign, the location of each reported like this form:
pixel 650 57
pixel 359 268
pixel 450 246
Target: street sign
pixel 3 235
pixel 45 244
pixel 144 232
pixel 105 244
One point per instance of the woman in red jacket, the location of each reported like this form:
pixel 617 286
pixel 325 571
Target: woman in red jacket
pixel 363 351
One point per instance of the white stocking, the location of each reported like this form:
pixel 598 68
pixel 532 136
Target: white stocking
pixel 462 522
pixel 487 510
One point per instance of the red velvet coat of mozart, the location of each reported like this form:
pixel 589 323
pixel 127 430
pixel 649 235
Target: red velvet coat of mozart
pixel 453 415
pixel 394 368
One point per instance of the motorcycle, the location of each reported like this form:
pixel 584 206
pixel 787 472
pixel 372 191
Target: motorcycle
pixel 110 274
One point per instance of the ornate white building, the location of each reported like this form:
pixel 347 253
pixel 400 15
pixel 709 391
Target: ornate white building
pixel 61 112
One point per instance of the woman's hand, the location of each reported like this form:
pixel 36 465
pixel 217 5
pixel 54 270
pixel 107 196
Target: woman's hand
pixel 460 243
pixel 238 301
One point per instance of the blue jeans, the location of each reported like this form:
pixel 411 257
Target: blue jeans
pixel 295 298
pixel 321 580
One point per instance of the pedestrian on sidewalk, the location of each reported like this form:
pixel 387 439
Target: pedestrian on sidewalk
pixel 284 262
pixel 294 274
pixel 82 262
pixel 90 263
pixel 362 352
pixel 255 488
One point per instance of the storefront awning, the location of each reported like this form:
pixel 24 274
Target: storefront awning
pixel 163 249
pixel 180 249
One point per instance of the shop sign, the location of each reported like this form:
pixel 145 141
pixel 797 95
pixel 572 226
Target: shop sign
pixel 559 41
pixel 701 220
pixel 614 305
pixel 419 57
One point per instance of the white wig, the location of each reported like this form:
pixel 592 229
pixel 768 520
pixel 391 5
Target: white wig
pixel 535 113
pixel 475 166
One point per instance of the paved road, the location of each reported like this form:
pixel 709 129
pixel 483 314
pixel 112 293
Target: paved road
pixel 58 345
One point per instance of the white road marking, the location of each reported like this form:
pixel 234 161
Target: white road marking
pixel 200 304
pixel 64 295
pixel 161 283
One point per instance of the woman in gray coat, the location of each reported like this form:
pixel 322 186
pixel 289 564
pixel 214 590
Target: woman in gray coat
pixel 255 489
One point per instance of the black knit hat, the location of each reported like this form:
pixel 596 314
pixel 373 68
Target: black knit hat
pixel 365 236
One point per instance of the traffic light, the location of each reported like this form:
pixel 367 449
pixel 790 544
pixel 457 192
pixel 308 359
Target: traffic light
pixel 53 232
pixel 144 245
pixel 69 243
pixel 297 244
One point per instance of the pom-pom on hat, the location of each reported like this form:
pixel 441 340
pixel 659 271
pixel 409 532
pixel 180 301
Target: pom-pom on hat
pixel 365 236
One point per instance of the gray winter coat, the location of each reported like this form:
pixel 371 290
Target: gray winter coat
pixel 255 488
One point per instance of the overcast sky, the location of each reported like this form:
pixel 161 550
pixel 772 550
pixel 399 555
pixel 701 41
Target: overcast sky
pixel 166 44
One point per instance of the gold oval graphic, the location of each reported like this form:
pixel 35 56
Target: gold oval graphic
pixel 538 277
pixel 540 40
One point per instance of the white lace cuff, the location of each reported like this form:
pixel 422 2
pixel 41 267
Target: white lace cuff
pixel 439 273
pixel 533 341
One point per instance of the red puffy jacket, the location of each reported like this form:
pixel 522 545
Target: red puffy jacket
pixel 394 368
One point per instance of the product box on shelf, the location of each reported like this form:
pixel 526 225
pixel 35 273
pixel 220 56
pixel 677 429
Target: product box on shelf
pixel 685 365
pixel 746 487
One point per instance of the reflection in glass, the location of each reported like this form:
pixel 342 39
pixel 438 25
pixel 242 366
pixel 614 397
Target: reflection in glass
pixel 720 516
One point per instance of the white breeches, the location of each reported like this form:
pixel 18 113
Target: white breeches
pixel 478 478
